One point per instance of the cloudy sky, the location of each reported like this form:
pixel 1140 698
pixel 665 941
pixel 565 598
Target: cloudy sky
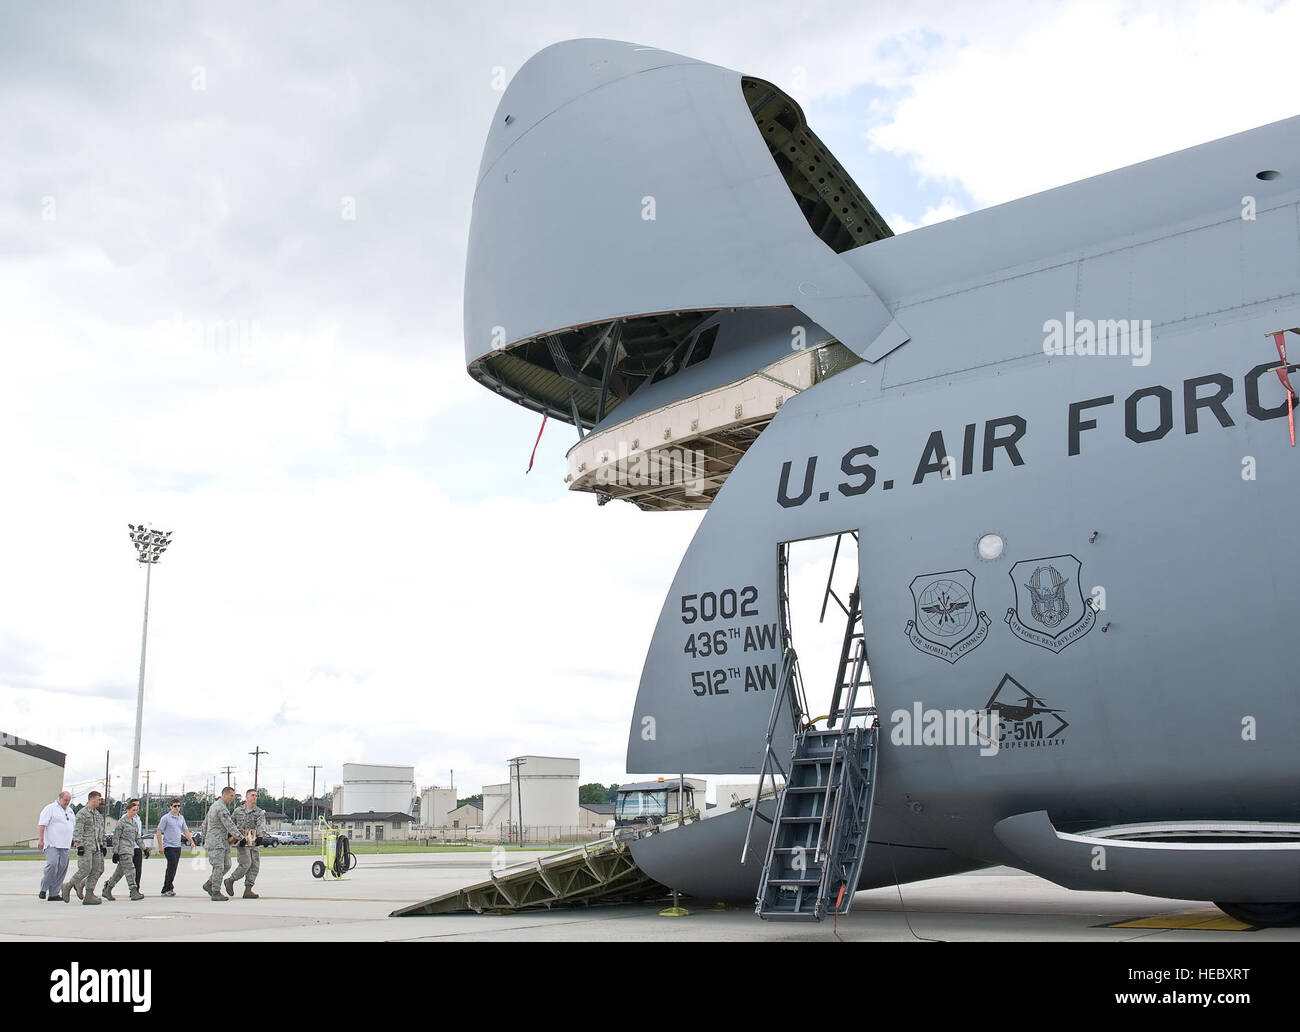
pixel 194 334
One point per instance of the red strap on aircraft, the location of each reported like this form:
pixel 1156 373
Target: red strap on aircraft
pixel 539 441
pixel 1279 339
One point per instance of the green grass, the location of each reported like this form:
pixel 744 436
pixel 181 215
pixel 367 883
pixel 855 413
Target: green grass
pixel 365 849
pixel 371 848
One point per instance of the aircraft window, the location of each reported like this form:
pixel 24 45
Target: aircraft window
pixel 703 346
pixel 672 364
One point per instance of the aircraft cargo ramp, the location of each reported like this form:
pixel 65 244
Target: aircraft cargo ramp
pixel 595 872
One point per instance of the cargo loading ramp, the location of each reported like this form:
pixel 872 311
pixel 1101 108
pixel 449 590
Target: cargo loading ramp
pixel 595 872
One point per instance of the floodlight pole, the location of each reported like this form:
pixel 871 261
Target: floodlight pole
pixel 149 545
pixel 139 698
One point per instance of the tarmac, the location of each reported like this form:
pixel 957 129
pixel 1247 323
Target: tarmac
pixel 999 904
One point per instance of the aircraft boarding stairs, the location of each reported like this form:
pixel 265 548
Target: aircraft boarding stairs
pixel 819 833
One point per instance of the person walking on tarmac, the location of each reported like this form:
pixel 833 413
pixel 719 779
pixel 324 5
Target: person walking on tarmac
pixel 249 819
pixel 126 840
pixel 171 829
pixel 88 837
pixel 217 831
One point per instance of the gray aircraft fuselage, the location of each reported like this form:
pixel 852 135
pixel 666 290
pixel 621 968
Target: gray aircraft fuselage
pixel 1093 550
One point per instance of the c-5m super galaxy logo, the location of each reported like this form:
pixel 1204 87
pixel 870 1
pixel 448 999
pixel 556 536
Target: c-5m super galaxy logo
pixel 1024 720
pixel 1050 609
pixel 946 622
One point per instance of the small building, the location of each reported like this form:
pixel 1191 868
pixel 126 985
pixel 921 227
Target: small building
pixel 595 815
pixel 278 822
pixel 31 777
pixel 732 793
pixel 387 826
pixel 466 816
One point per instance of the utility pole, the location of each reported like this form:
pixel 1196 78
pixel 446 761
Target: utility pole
pixel 519 796
pixel 106 781
pixel 227 770
pixel 257 753
pixel 145 822
pixel 149 546
pixel 314 768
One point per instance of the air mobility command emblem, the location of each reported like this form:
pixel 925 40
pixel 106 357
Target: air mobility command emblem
pixel 1050 609
pixel 946 623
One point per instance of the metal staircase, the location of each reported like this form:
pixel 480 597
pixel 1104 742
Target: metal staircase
pixel 819 834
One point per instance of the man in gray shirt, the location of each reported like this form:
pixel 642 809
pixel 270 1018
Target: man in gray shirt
pixel 168 835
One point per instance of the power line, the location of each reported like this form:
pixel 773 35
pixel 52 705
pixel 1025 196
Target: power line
pixel 257 754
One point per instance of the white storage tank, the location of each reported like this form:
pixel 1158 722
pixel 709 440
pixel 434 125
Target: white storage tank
pixel 382 787
pixel 496 807
pixel 436 805
pixel 547 788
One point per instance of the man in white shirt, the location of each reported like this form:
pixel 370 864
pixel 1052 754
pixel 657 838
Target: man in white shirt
pixel 55 839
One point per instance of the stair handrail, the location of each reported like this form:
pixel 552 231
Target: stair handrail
pixel 859 660
pixel 789 668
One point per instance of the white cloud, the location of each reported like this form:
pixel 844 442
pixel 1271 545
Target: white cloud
pixel 1007 110
pixel 941 212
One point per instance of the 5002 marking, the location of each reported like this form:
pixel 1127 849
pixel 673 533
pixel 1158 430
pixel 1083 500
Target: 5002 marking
pixel 726 605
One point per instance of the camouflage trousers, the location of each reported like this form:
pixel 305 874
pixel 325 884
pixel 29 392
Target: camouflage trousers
pixel 219 858
pixel 250 862
pixel 90 866
pixel 125 869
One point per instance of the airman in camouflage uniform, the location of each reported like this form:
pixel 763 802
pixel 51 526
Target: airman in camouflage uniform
pixel 88 836
pixel 217 829
pixel 126 838
pixel 249 818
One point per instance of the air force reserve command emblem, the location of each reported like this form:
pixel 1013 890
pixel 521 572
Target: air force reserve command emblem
pixel 946 624
pixel 1050 609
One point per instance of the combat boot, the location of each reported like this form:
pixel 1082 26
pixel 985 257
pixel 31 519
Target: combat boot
pixel 91 900
pixel 136 894
pixel 230 886
pixel 249 893
pixel 217 897
pixel 78 890
pixel 107 893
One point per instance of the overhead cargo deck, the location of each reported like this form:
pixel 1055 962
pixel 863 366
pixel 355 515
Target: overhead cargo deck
pixel 628 200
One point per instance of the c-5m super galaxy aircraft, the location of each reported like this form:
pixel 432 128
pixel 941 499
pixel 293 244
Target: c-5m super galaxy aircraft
pixel 1057 433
